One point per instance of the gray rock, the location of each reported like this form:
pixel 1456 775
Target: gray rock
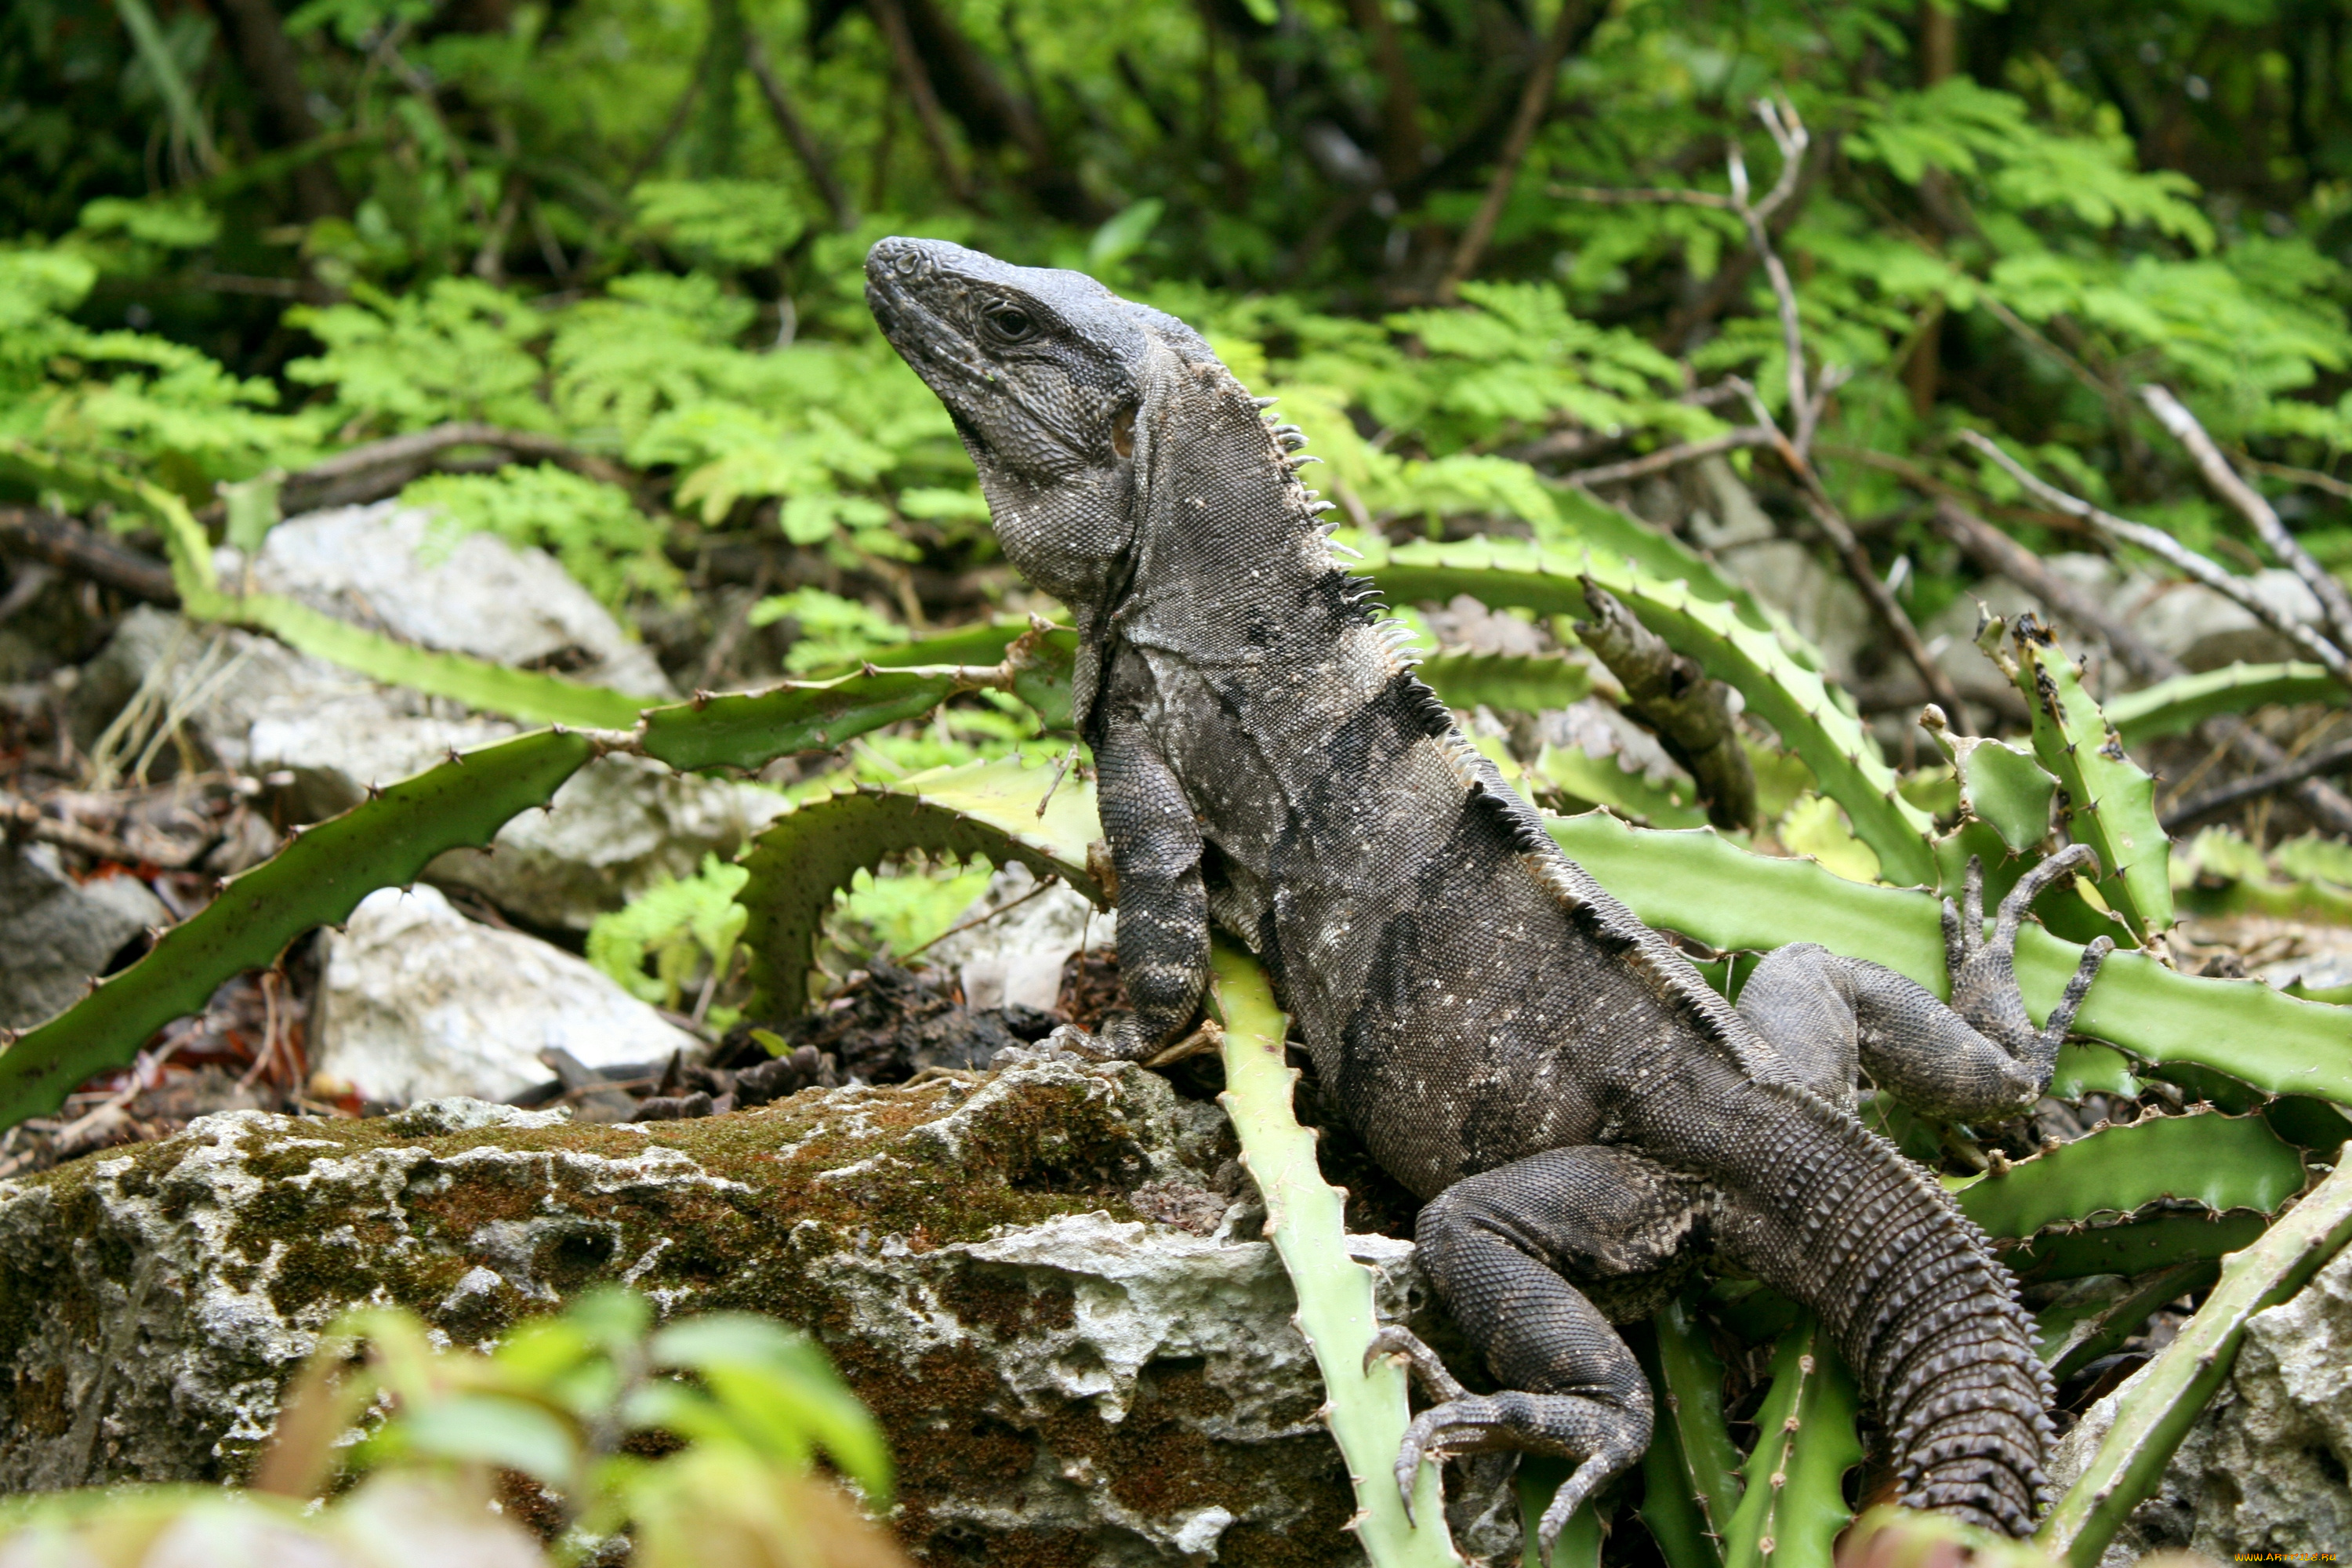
pixel 2205 631
pixel 383 566
pixel 2263 1469
pixel 416 1002
pixel 1817 598
pixel 1061 1376
pixel 57 933
pixel 1016 958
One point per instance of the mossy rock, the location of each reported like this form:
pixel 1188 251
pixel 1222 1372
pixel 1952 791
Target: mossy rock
pixel 1048 1285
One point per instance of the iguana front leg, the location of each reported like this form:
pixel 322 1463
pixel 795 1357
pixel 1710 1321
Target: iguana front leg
pixel 1163 908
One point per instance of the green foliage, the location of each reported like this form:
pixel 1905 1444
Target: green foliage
pixel 680 926
pixel 833 631
pixel 593 528
pixel 2218 1161
pixel 740 1405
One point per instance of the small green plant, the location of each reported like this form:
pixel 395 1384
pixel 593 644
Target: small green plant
pixel 673 932
pixel 593 528
pixel 697 1440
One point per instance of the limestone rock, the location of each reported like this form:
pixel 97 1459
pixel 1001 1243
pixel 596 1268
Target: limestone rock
pixel 383 566
pixel 1062 1377
pixel 417 1002
pixel 2263 1470
pixel 55 932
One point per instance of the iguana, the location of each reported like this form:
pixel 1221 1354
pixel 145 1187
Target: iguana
pixel 1570 1100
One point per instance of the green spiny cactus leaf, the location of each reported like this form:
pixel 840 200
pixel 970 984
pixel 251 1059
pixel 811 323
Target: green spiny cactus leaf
pixel 1702 885
pixel 316 879
pixel 2160 1240
pixel 2176 705
pixel 2002 786
pixel 1539 1480
pixel 2074 1335
pixel 1794 1501
pixel 1507 683
pixel 2110 802
pixel 1612 530
pixel 1778 689
pixel 747 730
pixel 1364 1405
pixel 1693 1469
pixel 981 808
pixel 2088 1067
pixel 2174 1388
pixel 2221 1162
pixel 1599 780
pixel 521 694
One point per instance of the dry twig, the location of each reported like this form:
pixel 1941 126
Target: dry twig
pixel 2162 545
pixel 2249 504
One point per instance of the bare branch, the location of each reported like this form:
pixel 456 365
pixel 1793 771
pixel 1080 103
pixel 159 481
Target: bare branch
pixel 2294 476
pixel 2249 504
pixel 1534 99
pixel 381 468
pixel 2162 545
pixel 1790 135
pixel 796 132
pixel 72 547
pixel 2335 759
pixel 892 20
pixel 1666 458
pixel 1607 196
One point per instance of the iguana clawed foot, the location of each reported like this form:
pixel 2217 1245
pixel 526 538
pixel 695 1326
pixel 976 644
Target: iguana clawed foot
pixel 1983 972
pixel 1604 1437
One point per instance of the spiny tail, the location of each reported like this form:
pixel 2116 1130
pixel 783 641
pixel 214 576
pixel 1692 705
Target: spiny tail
pixel 1832 1214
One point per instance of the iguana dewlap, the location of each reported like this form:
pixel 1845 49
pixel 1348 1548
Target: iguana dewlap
pixel 1571 1100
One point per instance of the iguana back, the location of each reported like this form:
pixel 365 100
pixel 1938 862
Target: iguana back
pixel 1510 1043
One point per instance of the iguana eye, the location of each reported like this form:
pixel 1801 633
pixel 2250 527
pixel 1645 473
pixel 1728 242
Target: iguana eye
pixel 1011 323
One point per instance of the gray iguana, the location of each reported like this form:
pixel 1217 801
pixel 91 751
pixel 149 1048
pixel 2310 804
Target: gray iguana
pixel 1554 1079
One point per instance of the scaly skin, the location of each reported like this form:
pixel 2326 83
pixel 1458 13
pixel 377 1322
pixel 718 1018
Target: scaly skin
pixel 1554 1079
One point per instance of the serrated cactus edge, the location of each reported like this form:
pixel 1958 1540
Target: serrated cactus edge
pixel 1364 1407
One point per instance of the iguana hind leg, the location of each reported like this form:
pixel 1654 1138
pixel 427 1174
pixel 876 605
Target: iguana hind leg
pixel 1980 1058
pixel 1501 1247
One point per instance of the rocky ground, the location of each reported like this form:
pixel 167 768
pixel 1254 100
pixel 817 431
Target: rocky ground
pixel 1046 1280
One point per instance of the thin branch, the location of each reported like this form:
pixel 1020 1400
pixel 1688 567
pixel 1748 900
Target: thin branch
pixel 892 19
pixel 1534 99
pixel 2162 545
pixel 2335 759
pixel 1666 458
pixel 1792 140
pixel 1618 197
pixel 382 468
pixel 2294 476
pixel 72 547
pixel 673 125
pixel 796 132
pixel 1996 552
pixel 2249 504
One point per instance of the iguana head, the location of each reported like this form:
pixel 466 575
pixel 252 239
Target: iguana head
pixel 1046 373
pixel 1127 473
